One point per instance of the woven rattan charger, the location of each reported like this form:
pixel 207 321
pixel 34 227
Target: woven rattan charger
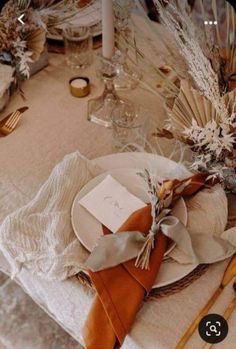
pixel 159 292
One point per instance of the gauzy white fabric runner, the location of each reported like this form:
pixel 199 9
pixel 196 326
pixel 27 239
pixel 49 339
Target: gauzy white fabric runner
pixel 39 236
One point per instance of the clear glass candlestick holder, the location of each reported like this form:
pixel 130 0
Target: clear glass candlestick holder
pixel 100 109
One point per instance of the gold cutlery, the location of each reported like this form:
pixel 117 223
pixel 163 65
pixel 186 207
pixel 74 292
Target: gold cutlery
pixel 8 124
pixel 229 273
pixel 228 311
pixel 22 110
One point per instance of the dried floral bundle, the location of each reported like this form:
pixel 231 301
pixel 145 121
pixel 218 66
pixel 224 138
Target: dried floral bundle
pixel 20 44
pixel 201 105
pixel 203 115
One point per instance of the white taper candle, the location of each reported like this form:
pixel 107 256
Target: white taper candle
pixel 108 40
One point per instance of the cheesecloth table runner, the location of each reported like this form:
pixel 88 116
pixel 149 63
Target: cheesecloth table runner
pixel 39 235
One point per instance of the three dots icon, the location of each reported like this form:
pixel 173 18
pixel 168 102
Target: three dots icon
pixel 210 22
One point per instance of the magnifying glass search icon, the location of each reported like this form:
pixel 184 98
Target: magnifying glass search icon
pixel 213 328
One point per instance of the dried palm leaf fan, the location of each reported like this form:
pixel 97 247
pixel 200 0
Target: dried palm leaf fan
pixel 35 43
pixel 191 105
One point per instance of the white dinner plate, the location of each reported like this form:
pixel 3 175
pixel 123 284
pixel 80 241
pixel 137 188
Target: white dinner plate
pixel 165 168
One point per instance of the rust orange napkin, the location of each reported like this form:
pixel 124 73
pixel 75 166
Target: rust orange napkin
pixel 121 289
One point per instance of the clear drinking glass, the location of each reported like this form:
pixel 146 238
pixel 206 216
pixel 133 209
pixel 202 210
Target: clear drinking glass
pixel 130 127
pixel 78 46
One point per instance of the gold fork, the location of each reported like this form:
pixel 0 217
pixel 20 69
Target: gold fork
pixel 3 121
pixel 8 124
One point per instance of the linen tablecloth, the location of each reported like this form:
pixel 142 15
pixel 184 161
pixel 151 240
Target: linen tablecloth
pixel 56 125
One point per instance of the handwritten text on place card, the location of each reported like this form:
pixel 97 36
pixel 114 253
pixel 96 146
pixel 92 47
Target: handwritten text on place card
pixel 111 203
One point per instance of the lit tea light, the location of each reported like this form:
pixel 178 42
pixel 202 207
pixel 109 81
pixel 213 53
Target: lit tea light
pixel 79 86
pixel 79 83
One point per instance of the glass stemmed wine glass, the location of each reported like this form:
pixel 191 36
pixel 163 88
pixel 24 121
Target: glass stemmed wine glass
pixel 100 108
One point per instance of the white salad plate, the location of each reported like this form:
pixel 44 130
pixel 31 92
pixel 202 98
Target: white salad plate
pixel 124 168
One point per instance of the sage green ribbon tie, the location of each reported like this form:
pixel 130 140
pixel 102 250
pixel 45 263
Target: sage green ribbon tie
pixel 114 249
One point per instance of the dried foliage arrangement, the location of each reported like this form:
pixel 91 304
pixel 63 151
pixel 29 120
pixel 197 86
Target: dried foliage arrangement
pixel 203 115
pixel 17 46
pixel 20 44
pixel 201 101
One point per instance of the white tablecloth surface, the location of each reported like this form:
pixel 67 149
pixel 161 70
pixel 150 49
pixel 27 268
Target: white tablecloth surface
pixel 56 125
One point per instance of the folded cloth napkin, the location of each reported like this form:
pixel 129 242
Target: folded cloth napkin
pixel 121 290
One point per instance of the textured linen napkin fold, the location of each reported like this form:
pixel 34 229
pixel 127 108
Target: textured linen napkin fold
pixel 121 290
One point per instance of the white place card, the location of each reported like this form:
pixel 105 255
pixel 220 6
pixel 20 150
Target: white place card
pixel 111 203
